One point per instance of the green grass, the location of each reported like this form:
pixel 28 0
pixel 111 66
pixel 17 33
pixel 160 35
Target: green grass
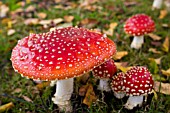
pixel 105 13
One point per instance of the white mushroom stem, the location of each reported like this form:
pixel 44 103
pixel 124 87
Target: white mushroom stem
pixel 119 95
pixel 133 101
pixel 104 85
pixel 64 90
pixel 137 42
pixel 157 4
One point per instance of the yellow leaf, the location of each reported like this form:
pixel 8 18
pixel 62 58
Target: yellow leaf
pixel 122 68
pixel 119 55
pixel 163 13
pixel 153 50
pixel 155 95
pixel 166 72
pixel 166 44
pixel 158 60
pixel 90 96
pixel 6 107
pixel 154 37
pixel 42 85
pixel 110 31
pixel 162 87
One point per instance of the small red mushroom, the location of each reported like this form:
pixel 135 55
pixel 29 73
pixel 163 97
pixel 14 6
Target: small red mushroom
pixel 117 85
pixel 138 25
pixel 61 54
pixel 105 72
pixel 137 83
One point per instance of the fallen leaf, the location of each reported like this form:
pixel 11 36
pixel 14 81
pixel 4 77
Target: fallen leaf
pixel 41 15
pixel 30 8
pixel 83 78
pixel 42 85
pixel 89 23
pixel 26 98
pixel 121 66
pixel 6 107
pixel 31 21
pixel 3 11
pixel 166 72
pixel 158 60
pixel 165 45
pixel 17 90
pixel 162 87
pixel 57 20
pixel 11 32
pixel 163 13
pixel 90 96
pixel 68 18
pixel 153 66
pixel 154 37
pixel 83 90
pixel 119 55
pixel 153 50
pixel 110 31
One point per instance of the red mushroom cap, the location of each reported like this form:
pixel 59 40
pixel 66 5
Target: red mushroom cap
pixel 62 53
pixel 106 70
pixel 139 24
pixel 117 82
pixel 138 81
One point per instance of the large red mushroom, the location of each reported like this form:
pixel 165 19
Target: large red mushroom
pixel 137 83
pixel 139 25
pixel 61 54
pixel 105 72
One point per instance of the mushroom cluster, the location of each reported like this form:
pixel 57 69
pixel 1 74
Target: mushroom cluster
pixel 61 55
pixel 135 83
pixel 139 25
pixel 105 72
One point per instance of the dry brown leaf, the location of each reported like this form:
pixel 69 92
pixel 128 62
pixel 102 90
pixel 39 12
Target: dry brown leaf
pixel 119 55
pixel 153 50
pixel 41 15
pixel 162 87
pixel 90 96
pixel 166 72
pixel 26 98
pixel 68 18
pixel 165 45
pixel 154 37
pixel 163 14
pixel 31 21
pixel 6 107
pixel 121 67
pixel 17 90
pixel 42 85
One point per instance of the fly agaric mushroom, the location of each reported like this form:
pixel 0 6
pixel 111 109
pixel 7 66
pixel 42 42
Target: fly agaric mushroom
pixel 104 72
pixel 137 83
pixel 138 25
pixel 60 55
pixel 117 85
